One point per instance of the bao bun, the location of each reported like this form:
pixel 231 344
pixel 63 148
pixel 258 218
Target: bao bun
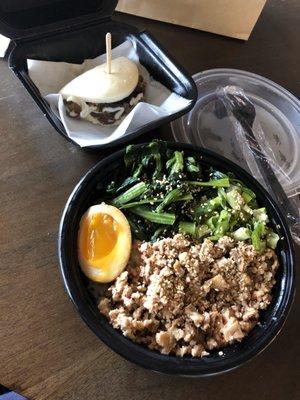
pixel 98 86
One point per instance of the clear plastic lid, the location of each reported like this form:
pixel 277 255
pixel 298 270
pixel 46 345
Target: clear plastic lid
pixel 277 116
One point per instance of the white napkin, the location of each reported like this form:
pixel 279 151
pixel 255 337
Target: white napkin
pixel 50 77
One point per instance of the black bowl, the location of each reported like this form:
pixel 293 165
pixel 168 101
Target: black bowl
pixel 233 356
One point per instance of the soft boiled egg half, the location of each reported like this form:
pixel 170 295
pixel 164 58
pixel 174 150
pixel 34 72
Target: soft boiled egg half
pixel 104 243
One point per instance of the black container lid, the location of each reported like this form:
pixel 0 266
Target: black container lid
pixel 20 19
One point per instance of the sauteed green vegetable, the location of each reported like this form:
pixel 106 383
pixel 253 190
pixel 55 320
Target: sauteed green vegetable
pixel 162 191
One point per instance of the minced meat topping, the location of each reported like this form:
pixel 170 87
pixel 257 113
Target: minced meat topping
pixel 186 298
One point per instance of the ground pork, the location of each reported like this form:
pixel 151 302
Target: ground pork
pixel 186 298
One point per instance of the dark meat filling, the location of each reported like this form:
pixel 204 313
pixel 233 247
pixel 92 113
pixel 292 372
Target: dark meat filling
pixel 109 113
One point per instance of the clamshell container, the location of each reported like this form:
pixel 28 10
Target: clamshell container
pixel 72 31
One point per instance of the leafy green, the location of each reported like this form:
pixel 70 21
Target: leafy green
pixel 193 167
pixel 241 234
pixel 156 155
pixel 247 209
pixel 185 197
pixel 260 214
pixel 128 182
pixel 234 199
pixel 248 194
pixel 187 227
pixel 222 197
pixel 162 191
pixel 202 230
pixel 157 234
pixel 145 157
pixel 215 174
pixel 158 218
pixel 212 222
pixel 130 194
pixel 272 239
pixel 222 225
pixel 207 207
pixel 139 203
pixel 149 200
pixel 170 197
pixel 257 236
pixel 223 182
pixel 175 164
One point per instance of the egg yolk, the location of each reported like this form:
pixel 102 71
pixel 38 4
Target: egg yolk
pixel 99 234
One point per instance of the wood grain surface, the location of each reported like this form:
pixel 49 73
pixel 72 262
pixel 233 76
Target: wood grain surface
pixel 46 351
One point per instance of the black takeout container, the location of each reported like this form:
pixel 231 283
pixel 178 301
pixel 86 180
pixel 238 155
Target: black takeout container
pixel 71 31
pixel 271 320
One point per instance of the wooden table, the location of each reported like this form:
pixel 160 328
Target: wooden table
pixel 47 352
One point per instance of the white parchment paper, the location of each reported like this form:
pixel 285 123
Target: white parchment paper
pixel 4 43
pixel 50 77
